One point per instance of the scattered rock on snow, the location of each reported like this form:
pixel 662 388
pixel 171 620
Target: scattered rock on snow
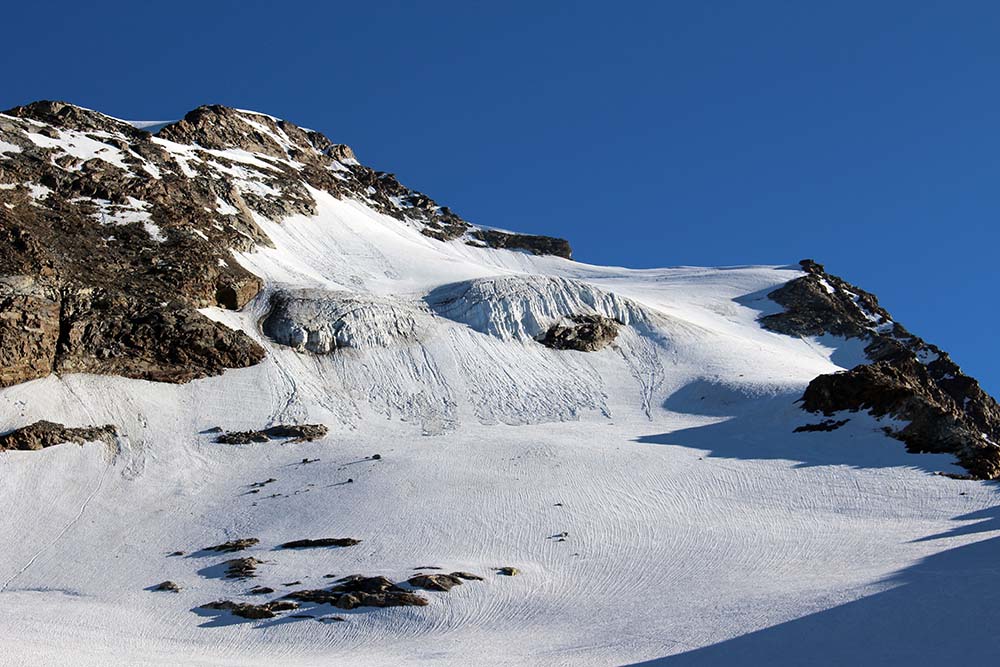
pixel 508 571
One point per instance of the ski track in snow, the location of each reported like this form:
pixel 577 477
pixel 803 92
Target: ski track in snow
pixel 694 516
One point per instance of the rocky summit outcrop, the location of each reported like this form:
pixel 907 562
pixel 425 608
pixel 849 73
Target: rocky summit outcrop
pixel 942 409
pixel 44 434
pixel 111 238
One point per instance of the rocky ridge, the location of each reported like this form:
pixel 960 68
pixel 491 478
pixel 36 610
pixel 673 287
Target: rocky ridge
pixel 944 410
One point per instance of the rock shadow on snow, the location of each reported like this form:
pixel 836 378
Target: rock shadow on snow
pixel 761 427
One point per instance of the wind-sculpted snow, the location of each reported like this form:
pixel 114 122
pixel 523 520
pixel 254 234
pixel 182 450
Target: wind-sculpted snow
pixel 323 321
pixel 523 307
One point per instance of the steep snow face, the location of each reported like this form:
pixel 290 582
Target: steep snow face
pixel 652 494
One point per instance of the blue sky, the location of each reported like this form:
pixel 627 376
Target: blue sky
pixel 862 134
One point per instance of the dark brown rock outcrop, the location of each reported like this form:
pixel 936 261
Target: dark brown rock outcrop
pixel 536 245
pixel 944 410
pixel 584 333
pixel 44 434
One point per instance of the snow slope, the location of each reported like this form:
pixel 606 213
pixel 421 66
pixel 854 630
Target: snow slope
pixel 701 530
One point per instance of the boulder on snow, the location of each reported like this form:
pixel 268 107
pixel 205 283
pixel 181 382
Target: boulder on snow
pixel 166 586
pixel 434 582
pixel 321 542
pixel 242 568
pixel 584 333
pixel 296 433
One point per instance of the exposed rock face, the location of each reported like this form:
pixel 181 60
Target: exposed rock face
pixel 107 247
pixel 358 591
pixel 906 378
pixel 111 238
pixel 29 329
pixel 297 433
pixel 585 333
pixel 44 434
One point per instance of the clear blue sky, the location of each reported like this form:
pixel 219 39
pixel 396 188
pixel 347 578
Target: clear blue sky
pixel 862 134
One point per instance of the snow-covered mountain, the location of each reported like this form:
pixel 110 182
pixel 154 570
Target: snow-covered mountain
pixel 229 337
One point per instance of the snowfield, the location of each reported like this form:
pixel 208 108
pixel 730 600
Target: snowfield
pixel 699 529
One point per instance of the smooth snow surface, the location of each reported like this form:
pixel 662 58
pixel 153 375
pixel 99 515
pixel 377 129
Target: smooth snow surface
pixel 701 530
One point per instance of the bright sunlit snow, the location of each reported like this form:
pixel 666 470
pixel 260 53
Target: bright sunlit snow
pixel 695 519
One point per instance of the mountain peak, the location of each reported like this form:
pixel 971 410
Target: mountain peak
pixel 68 116
pixel 222 128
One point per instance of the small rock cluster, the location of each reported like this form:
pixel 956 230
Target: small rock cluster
pixel 359 591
